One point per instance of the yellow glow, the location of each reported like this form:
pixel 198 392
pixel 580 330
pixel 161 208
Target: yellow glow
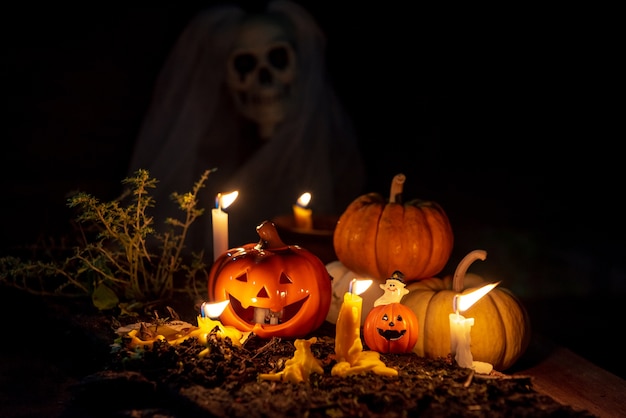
pixel 214 310
pixel 359 286
pixel 304 199
pixel 227 199
pixel 464 301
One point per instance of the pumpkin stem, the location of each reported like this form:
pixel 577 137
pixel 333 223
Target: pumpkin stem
pixel 397 184
pixel 461 269
pixel 269 236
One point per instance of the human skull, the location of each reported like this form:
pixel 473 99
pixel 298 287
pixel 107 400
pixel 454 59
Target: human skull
pixel 260 72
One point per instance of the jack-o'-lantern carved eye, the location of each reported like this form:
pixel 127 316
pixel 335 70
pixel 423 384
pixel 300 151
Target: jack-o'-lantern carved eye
pixel 262 293
pixel 284 279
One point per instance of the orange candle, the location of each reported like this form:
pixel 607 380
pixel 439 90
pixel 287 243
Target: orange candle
pixel 303 216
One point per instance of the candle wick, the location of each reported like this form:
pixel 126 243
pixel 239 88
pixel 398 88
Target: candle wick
pixel 218 201
pixel 351 287
pixel 455 304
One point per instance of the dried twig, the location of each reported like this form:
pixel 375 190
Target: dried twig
pixel 267 346
pixel 501 377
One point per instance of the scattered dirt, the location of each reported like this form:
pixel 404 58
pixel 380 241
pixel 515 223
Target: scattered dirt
pixel 94 379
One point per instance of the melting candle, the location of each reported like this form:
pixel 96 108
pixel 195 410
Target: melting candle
pixel 460 327
pixel 348 326
pixel 220 223
pixel 303 216
pixel 351 359
pixel 207 322
pixel 175 332
pixel 300 366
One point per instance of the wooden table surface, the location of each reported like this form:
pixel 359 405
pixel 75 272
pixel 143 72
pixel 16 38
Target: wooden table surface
pixel 572 380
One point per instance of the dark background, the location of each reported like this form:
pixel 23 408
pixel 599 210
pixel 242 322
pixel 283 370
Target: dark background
pixel 506 117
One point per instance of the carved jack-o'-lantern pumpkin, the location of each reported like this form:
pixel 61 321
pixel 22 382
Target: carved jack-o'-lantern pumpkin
pixel 391 328
pixel 275 290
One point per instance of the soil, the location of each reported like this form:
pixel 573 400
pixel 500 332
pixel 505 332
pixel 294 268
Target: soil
pixel 62 362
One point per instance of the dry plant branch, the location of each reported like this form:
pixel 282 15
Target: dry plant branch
pixel 117 260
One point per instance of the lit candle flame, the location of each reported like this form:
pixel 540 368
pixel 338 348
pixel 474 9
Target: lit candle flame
pixel 463 302
pixel 359 286
pixel 213 310
pixel 224 201
pixel 304 199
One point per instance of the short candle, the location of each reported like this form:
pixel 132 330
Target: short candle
pixel 302 215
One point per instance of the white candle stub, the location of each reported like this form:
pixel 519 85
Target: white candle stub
pixel 460 328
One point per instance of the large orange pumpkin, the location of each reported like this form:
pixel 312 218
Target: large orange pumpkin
pixel 375 237
pixel 275 290
pixel 391 328
pixel 501 331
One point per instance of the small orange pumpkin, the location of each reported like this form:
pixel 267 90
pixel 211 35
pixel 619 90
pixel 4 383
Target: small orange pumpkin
pixel 374 237
pixel 275 290
pixel 391 328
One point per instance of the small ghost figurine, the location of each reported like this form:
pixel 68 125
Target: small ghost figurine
pixel 394 289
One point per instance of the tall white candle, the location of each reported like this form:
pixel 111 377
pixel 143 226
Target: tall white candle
pixel 220 223
pixel 220 232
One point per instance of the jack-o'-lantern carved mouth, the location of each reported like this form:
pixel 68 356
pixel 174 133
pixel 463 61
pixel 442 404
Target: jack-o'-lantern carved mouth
pixel 261 315
pixel 391 334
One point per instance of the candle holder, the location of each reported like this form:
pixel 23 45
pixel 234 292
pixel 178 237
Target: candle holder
pixel 318 240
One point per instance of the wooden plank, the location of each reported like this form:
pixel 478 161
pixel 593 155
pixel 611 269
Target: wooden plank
pixel 571 380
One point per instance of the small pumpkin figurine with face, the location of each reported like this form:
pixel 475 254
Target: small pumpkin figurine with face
pixel 275 290
pixel 390 326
